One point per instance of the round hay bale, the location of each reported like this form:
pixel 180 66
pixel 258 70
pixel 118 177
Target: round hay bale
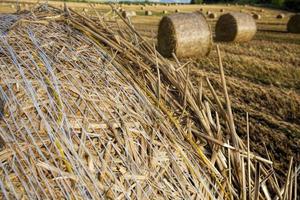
pixel 256 16
pixel 128 13
pixel 142 8
pixel 280 16
pixel 208 12
pixel 212 16
pixel 201 9
pixel 293 25
pixel 185 34
pixel 148 13
pixel 177 11
pixel 236 27
pixel 221 10
pixel 165 12
pixel 261 10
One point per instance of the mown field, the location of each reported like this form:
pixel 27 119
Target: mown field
pixel 263 75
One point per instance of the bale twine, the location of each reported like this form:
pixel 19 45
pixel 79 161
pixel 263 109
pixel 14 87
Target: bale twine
pixel 212 16
pixel 148 13
pixel 256 16
pixel 128 13
pixel 280 16
pixel 177 11
pixel 185 34
pixel 293 25
pixel 236 27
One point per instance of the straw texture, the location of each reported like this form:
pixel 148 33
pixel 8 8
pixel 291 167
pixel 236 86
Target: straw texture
pixel 185 34
pixel 93 111
pixel 236 27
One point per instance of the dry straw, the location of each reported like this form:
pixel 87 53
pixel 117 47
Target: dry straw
pixel 185 34
pixel 236 27
pixel 93 111
pixel 293 25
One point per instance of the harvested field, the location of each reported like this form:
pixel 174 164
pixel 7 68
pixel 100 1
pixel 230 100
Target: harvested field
pixel 262 79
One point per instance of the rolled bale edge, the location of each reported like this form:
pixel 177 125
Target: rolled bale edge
pixel 235 27
pixel 293 25
pixel 185 34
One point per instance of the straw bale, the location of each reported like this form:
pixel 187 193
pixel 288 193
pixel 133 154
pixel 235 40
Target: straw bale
pixel 177 11
pixel 293 25
pixel 148 12
pixel 212 15
pixel 142 8
pixel 128 13
pixel 236 27
pixel 256 16
pixel 222 10
pixel 165 12
pixel 185 34
pixel 280 16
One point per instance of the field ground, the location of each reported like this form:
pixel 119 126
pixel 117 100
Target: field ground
pixel 263 75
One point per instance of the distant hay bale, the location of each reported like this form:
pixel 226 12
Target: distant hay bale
pixel 280 16
pixel 177 11
pixel 142 8
pixel 236 27
pixel 212 16
pixel 261 10
pixel 185 34
pixel 201 9
pixel 128 13
pixel 256 16
pixel 293 25
pixel 148 13
pixel 221 10
pixel 208 12
pixel 165 12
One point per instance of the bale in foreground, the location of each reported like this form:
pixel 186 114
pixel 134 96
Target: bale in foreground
pixel 185 34
pixel 235 27
pixel 293 25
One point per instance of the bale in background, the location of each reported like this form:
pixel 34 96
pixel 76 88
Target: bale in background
pixel 280 16
pixel 256 16
pixel 185 34
pixel 148 13
pixel 222 10
pixel 165 12
pixel 177 11
pixel 127 14
pixel 212 16
pixel 293 25
pixel 236 27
